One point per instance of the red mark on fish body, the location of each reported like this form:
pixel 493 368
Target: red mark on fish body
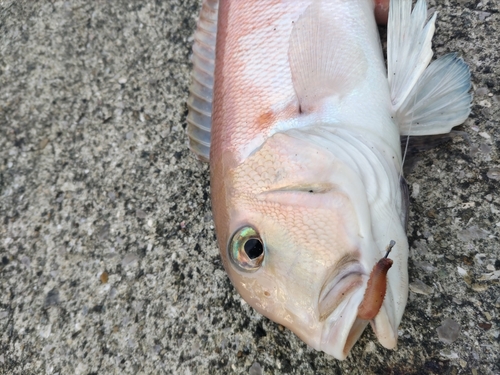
pixel 376 288
pixel 265 119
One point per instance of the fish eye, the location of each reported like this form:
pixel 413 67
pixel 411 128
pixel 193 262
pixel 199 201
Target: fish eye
pixel 246 249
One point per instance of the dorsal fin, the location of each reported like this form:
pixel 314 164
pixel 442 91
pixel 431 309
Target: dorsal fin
pixel 199 117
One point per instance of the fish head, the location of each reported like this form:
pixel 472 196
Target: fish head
pixel 295 240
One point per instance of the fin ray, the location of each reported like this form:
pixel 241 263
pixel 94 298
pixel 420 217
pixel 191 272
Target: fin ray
pixel 324 59
pixel 426 100
pixel 199 117
pixel 409 46
pixel 439 101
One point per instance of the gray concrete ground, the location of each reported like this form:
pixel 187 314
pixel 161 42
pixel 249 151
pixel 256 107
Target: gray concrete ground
pixel 108 258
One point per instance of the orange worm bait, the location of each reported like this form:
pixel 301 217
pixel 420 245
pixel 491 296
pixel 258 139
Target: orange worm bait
pixel 376 288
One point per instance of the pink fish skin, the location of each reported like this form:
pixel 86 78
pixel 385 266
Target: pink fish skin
pixel 302 122
pixel 252 170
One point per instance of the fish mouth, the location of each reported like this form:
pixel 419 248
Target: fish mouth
pixel 384 328
pixel 338 305
pixel 342 328
pixel 347 277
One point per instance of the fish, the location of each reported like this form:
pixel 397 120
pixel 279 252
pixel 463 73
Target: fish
pixel 293 106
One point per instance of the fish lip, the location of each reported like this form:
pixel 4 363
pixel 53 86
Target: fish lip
pixel 339 299
pixel 339 285
pixel 384 329
pixel 342 328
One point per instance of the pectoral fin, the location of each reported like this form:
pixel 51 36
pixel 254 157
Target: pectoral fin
pixel 325 59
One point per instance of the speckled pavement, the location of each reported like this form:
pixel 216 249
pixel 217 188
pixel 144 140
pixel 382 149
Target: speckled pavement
pixel 108 257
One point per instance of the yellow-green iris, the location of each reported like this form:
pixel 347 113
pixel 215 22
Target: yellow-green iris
pixel 246 249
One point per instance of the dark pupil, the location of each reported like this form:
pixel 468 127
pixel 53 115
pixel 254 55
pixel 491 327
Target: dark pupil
pixel 253 248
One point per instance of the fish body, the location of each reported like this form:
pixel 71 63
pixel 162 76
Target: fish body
pixel 305 157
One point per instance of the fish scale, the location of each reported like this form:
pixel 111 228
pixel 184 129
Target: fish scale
pixel 302 130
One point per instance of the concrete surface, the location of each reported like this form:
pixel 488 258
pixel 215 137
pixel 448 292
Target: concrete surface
pixel 108 258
